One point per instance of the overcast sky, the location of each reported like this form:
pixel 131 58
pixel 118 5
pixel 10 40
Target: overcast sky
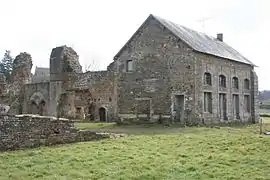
pixel 98 29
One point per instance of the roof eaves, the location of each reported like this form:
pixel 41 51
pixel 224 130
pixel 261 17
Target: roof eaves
pixel 226 58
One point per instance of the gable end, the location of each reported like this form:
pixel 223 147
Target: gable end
pixel 150 17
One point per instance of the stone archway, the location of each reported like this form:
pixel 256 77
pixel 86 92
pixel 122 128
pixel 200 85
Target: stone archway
pixel 37 104
pixel 102 114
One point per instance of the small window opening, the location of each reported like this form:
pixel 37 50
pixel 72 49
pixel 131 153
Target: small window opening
pixel 129 65
pixel 235 83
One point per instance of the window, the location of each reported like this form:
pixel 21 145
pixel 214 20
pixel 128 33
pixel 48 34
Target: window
pixel 235 83
pixel 246 84
pixel 223 106
pixel 78 109
pixel 208 102
pixel 129 65
pixel 207 78
pixel 247 103
pixel 222 81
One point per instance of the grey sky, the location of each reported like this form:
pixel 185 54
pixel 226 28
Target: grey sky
pixel 98 29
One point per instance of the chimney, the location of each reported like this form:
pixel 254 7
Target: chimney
pixel 220 37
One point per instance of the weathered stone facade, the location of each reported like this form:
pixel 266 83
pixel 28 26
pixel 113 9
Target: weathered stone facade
pixel 164 72
pixel 167 80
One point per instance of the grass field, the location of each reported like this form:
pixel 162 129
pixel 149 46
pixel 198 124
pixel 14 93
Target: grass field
pixel 152 152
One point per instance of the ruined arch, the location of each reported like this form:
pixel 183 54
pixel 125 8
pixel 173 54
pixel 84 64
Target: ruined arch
pixel 37 103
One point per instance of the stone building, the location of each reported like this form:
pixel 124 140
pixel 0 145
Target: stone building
pixel 164 72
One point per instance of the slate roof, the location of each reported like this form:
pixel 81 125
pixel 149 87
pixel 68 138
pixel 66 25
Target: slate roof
pixel 41 71
pixel 41 75
pixel 201 42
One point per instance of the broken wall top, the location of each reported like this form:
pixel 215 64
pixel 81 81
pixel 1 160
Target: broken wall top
pixel 22 66
pixel 63 60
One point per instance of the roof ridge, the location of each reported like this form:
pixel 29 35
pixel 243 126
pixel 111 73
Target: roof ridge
pixel 200 42
pixel 196 40
pixel 183 26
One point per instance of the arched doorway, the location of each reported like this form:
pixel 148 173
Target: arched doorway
pixel 102 114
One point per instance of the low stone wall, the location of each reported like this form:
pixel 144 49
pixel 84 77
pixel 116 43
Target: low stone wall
pixel 27 131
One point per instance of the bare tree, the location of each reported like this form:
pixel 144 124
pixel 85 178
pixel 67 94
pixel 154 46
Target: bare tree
pixel 92 65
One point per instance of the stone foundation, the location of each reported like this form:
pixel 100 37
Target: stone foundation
pixel 27 131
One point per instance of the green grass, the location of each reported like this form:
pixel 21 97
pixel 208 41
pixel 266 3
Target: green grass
pixel 152 152
pixel 84 125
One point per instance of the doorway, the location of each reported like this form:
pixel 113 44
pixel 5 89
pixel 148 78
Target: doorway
pixel 179 107
pixel 102 114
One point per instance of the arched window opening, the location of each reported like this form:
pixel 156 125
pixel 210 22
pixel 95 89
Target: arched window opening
pixel 235 83
pixel 222 81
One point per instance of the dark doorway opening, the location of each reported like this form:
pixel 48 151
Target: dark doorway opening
pixel 102 114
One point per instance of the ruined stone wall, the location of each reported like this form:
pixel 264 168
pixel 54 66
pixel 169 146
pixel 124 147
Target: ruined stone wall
pixel 66 105
pixel 99 86
pixel 63 60
pixel 163 67
pixel 26 131
pixel 218 66
pixel 21 69
pixel 55 93
pixel 64 63
pixel 33 95
pixel 21 75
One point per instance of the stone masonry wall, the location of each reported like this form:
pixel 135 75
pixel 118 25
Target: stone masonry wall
pixel 30 90
pixel 163 68
pixel 64 61
pixel 217 66
pixel 26 131
pixel 90 91
pixel 254 97
pixel 166 69
pixel 21 75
